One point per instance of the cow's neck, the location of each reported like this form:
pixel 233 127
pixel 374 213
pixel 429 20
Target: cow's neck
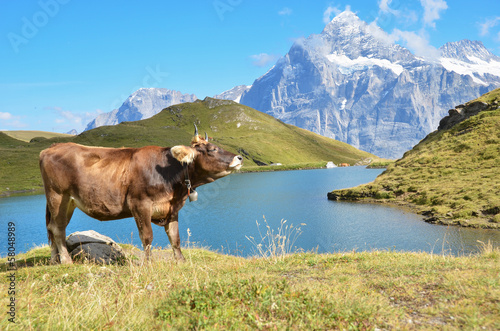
pixel 195 177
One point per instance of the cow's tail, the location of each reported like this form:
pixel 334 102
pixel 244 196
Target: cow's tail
pixel 47 221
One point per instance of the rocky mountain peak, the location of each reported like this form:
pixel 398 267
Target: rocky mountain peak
pixel 346 22
pixel 347 35
pixel 467 51
pixel 142 104
pixel 233 94
pixel 353 83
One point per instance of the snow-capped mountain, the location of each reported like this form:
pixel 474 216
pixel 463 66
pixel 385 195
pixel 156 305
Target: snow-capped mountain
pixel 142 104
pixel 233 94
pixel 471 58
pixel 354 84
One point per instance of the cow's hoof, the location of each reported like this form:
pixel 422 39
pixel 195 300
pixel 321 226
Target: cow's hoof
pixel 66 260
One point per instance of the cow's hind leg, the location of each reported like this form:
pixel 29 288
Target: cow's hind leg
pixel 59 211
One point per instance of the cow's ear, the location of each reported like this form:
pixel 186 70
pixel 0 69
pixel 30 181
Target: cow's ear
pixel 183 154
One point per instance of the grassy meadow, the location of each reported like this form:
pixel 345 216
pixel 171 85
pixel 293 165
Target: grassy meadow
pixel 452 176
pixel 349 290
pixel 259 138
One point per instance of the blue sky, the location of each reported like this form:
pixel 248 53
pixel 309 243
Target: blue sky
pixel 62 62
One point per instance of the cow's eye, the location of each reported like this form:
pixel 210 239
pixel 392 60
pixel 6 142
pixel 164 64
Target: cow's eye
pixel 211 150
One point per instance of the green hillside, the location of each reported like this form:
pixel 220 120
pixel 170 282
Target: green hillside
pixel 452 176
pixel 258 137
pixel 28 135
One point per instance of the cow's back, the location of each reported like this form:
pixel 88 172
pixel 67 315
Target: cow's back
pixel 96 178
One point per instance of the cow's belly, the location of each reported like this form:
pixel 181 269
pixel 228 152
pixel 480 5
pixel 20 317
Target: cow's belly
pixel 102 211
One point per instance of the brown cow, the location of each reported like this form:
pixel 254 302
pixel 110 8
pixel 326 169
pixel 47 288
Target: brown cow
pixel 150 184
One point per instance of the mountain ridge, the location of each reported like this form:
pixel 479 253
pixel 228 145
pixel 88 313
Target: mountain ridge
pixel 143 103
pixel 353 84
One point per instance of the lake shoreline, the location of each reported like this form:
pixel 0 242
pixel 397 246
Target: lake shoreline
pixel 428 216
pixel 16 193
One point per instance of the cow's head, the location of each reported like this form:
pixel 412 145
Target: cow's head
pixel 209 159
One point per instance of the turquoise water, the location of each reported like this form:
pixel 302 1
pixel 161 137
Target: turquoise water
pixel 227 210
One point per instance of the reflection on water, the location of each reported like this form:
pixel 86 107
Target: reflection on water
pixel 227 211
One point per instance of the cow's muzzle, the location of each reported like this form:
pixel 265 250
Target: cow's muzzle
pixel 236 163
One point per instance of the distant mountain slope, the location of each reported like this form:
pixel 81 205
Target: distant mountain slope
pixel 453 175
pixel 258 137
pixel 233 94
pixel 354 84
pixel 143 103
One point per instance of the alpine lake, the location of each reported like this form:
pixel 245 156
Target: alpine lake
pixel 233 214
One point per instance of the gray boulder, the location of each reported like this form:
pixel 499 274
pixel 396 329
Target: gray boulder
pixel 461 113
pixel 94 246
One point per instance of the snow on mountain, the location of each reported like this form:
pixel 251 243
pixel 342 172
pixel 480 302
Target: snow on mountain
pixel 354 84
pixel 143 103
pixel 348 66
pixel 233 94
pixel 471 58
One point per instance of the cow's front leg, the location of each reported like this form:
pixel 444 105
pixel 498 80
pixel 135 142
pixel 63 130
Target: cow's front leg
pixel 142 218
pixel 172 230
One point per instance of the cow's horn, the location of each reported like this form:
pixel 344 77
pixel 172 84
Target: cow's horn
pixel 206 136
pixel 195 130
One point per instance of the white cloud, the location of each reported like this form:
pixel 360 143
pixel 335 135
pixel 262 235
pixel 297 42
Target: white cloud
pixel 381 34
pixel 417 43
pixel 17 124
pixel 71 117
pixel 488 25
pixel 285 11
pixel 383 5
pixel 410 16
pixel 327 14
pixel 432 9
pixel 263 59
pixel 66 116
pixel 5 116
pixel 9 121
